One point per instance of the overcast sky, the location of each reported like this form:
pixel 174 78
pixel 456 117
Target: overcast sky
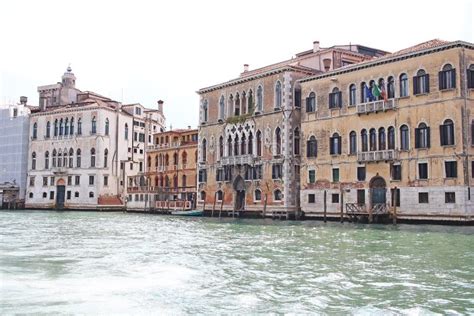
pixel 167 50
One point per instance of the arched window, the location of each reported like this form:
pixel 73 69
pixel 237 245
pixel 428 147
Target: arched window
pixel 447 133
pixel 353 143
pixel 54 158
pixel 204 111
pixel 237 105
pixel 157 161
pixel 202 195
pixel 363 140
pixel 382 141
pixel 335 144
pixel 157 182
pixel 447 77
pixel 71 158
pixel 48 129
pixel 221 107
pixel 219 195
pixel 183 181
pixel 296 141
pixel 363 92
pixel 60 158
pixel 71 127
pixel 33 161
pixel 421 82
pixel 175 159
pixel 257 195
pixel 312 147
pixel 79 127
pixel 278 141
pixel 94 126
pixel 229 146
pixel 250 144
pixel 391 137
pixel 277 195
pixel 46 160
pixel 61 127
pixel 404 138
pixel 259 144
pixel 352 94
pixel 66 127
pixel 126 131
pixel 422 136
pixel 65 160
pixel 35 130
pixel 278 95
pixel 106 126
pixel 167 160
pixel 56 127
pixel 244 103
pixel 260 99
pixel 184 158
pixel 373 139
pixel 311 102
pixel 243 145
pixel 175 182
pixel 403 85
pixel 204 150
pixel 236 145
pixel 78 158
pixel 221 147
pixel 167 182
pixel 93 157
pixel 335 98
pixel 251 106
pixel 106 157
pixel 390 88
pixel 379 90
pixel 470 77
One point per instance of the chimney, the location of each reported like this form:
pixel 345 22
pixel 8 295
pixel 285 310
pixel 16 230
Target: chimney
pixel 189 126
pixel 316 46
pixel 246 67
pixel 160 106
pixel 23 100
pixel 327 63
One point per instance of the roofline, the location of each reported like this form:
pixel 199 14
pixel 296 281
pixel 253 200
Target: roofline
pixel 389 59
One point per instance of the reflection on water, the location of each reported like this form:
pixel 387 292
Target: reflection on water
pixel 115 263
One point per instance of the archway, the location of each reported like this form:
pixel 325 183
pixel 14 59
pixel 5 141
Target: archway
pixel 239 188
pixel 60 193
pixel 378 190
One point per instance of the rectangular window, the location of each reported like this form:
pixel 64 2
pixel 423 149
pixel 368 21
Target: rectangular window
pixel 361 196
pixel 335 100
pixel 76 194
pixel 106 181
pixel 449 197
pixel 131 166
pixel 423 197
pixel 51 182
pixel 447 79
pixel 202 175
pixel 311 198
pixel 32 181
pixel 257 172
pixel 395 196
pixel 68 195
pixel 396 172
pixel 451 169
pixel 140 168
pixel 51 195
pixel 277 171
pixel 220 174
pixel 69 180
pixel 45 181
pixel 312 176
pixel 77 180
pixel 91 180
pixel 423 171
pixel 335 174
pixel 335 198
pixel 361 173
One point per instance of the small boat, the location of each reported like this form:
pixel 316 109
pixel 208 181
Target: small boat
pixel 187 213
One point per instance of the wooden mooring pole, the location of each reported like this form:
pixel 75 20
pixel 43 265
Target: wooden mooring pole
pixel 342 206
pixel 394 215
pixel 214 204
pixel 222 204
pixel 264 206
pixel 325 204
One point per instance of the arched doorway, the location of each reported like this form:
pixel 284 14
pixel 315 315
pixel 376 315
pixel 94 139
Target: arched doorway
pixel 378 190
pixel 239 187
pixel 60 193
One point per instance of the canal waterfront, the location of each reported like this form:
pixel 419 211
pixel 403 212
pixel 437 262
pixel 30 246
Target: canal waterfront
pixel 116 263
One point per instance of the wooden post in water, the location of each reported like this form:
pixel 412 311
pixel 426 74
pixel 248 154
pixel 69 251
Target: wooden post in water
pixel 222 204
pixel 325 205
pixel 342 205
pixel 395 193
pixel 264 206
pixel 214 204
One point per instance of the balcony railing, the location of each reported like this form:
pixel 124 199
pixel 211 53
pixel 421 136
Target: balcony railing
pixel 376 106
pixel 59 170
pixel 237 160
pixel 167 145
pixel 379 155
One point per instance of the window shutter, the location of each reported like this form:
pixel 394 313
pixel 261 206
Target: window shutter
pixel 428 137
pixel 330 100
pixel 442 134
pixel 417 138
pixel 331 146
pixel 427 83
pixel 308 152
pixel 339 98
pixel 415 85
pixel 441 81
pixel 340 145
pixel 307 105
pixel 470 82
pixel 453 77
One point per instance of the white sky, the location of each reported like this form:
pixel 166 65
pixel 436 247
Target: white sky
pixel 169 49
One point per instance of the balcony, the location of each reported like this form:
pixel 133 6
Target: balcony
pixel 237 160
pixel 376 106
pixel 59 170
pixel 164 146
pixel 380 155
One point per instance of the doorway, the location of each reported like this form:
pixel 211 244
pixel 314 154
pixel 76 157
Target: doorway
pixel 239 188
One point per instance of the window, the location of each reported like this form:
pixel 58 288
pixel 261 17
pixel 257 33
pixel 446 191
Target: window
pixel 449 197
pixel 78 158
pixel 395 197
pixel 423 171
pixel 335 175
pixel 312 147
pixel 71 127
pixel 51 181
pixel 183 181
pixel 106 126
pixel 45 195
pixel 91 180
pixel 352 143
pixel 360 196
pixel 221 107
pixel 382 144
pixel 32 181
pixel 451 169
pixel 390 88
pixel 447 77
pixel 352 94
pixel 220 195
pixel 33 161
pixel 404 138
pixel 311 102
pixel 106 157
pixel 278 95
pixel 311 198
pixel 202 175
pixel 35 130
pixel 60 160
pixel 45 181
pixel 237 105
pixel 421 82
pixel 396 172
pixel 311 176
pixel 373 139
pixel 61 128
pixel 470 77
pixel 277 171
pixel 51 195
pixel 91 194
pixel 422 136
pixel 259 99
pixel 361 173
pixel 77 180
pixel 94 126
pixel 335 144
pixel 66 127
pixel 126 131
pixel 335 198
pixel 69 180
pixel 68 195
pixel 278 141
pixel 46 160
pixel 363 92
pixel 202 195
pixel 106 181
pixel 297 98
pixel 48 129
pixel 363 139
pixel 243 145
pixel 250 144
pixel 205 111
pixel 56 127
pixel 184 158
pixel 259 143
pixel 76 194
pixel 277 195
pixel 403 85
pixel 93 157
pixel 391 138
pixel 71 157
pixel 236 145
pixel 335 99
pixel 79 127
pixel 423 197
pixel 446 132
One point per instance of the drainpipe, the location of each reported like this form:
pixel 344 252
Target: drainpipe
pixel 465 125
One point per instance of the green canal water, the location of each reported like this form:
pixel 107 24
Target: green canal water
pixel 115 263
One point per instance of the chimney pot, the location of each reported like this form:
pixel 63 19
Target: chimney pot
pixel 316 46
pixel 23 100
pixel 246 67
